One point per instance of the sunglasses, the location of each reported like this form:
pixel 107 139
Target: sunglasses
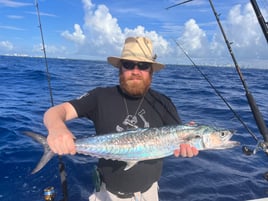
pixel 130 65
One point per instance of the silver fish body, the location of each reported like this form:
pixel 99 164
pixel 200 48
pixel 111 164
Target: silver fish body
pixel 145 144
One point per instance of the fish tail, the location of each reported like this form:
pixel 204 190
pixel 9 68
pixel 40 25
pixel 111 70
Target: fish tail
pixel 47 155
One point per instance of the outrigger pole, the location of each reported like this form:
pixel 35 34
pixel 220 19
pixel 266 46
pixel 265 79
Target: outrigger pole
pixel 254 108
pixel 49 192
pixel 260 18
pixel 178 4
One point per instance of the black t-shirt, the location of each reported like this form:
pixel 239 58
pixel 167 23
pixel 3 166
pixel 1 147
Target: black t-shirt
pixel 113 111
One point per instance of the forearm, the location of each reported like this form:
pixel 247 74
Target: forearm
pixel 55 118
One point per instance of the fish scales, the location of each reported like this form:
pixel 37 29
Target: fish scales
pixel 140 144
pixel 144 144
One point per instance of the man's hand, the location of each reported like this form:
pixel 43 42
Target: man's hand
pixel 60 139
pixel 186 151
pixel 61 142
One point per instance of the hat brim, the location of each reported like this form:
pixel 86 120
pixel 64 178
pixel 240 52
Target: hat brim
pixel 115 61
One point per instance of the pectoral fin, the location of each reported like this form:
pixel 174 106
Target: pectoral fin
pixel 130 164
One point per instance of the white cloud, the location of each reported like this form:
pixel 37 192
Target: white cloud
pixel 77 36
pixel 6 46
pixel 11 28
pixel 9 3
pixel 245 33
pixel 15 17
pixel 50 49
pixel 242 30
pixel 194 38
pixel 101 36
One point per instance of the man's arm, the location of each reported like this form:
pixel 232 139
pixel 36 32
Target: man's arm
pixel 60 139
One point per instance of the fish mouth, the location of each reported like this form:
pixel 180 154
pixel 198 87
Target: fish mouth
pixel 230 144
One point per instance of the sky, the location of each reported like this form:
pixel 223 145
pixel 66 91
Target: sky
pixel 96 29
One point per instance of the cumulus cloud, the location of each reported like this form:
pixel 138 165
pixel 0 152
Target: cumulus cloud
pixel 103 36
pixel 194 38
pixel 6 45
pixel 242 30
pixel 77 36
pixel 100 35
pixel 245 32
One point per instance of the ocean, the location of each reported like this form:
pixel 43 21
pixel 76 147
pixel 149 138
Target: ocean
pixel 220 175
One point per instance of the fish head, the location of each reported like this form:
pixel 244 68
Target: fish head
pixel 218 139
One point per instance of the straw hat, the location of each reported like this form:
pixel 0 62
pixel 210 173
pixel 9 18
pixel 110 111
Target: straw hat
pixel 138 49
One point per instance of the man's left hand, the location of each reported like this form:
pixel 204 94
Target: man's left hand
pixel 186 151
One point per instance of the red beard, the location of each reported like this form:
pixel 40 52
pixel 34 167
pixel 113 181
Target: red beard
pixel 135 85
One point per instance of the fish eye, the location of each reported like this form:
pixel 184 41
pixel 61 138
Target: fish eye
pixel 222 134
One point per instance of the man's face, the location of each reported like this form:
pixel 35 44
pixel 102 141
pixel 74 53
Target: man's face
pixel 135 77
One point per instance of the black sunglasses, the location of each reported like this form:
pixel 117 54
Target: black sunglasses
pixel 130 65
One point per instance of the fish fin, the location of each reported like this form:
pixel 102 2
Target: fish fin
pixel 130 164
pixel 47 155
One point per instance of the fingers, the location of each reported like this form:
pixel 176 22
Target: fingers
pixel 195 151
pixel 61 144
pixel 186 151
pixel 177 153
pixel 191 123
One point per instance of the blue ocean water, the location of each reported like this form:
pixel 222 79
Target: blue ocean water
pixel 212 175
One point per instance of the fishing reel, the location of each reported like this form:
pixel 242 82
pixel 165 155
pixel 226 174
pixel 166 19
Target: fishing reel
pixel 49 193
pixel 260 146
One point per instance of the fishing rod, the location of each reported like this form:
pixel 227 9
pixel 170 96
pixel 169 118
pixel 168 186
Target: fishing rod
pixel 260 18
pixel 49 192
pixel 254 108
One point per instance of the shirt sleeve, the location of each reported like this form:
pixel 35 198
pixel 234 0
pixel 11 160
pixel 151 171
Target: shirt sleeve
pixel 85 105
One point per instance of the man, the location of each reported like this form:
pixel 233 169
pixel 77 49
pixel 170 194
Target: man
pixel 130 105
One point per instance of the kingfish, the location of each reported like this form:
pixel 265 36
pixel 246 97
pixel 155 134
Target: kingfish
pixel 144 144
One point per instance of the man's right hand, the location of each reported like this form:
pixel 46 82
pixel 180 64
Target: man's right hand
pixel 61 141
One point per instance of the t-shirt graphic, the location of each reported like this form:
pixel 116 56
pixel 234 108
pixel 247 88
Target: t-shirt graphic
pixel 131 122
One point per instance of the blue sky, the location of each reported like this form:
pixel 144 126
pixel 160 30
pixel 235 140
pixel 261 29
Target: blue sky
pixel 95 29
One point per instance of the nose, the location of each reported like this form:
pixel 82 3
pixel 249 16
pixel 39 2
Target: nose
pixel 136 69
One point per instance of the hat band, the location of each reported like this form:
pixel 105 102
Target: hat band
pixel 137 56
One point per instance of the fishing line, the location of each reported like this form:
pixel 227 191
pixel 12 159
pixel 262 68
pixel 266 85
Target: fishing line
pixel 61 165
pixel 217 92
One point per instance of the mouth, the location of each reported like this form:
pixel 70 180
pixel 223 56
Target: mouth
pixel 135 78
pixel 230 144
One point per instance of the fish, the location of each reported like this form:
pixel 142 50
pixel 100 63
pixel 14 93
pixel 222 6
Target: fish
pixel 142 144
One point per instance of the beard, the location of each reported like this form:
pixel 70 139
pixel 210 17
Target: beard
pixel 135 85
